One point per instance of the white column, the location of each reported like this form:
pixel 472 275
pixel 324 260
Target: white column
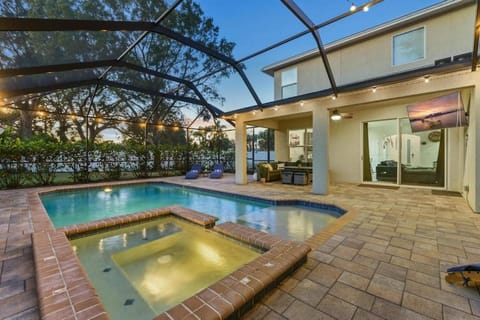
pixel 282 151
pixel 320 150
pixel 240 152
pixel 475 143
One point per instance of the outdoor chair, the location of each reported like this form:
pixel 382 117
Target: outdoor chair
pixel 194 172
pixel 217 172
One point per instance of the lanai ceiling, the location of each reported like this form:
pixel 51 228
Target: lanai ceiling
pixel 150 59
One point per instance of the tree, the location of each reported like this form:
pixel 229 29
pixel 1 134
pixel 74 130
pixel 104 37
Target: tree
pixel 155 52
pixel 212 138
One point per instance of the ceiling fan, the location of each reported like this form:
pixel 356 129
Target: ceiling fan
pixel 340 115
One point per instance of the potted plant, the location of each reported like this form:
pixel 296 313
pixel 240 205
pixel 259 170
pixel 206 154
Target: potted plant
pixel 262 172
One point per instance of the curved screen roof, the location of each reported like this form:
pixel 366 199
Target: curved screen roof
pixel 195 58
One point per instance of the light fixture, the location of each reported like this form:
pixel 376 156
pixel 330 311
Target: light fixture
pixel 107 189
pixel 353 7
pixel 426 78
pixel 302 103
pixel 365 9
pixel 275 108
pixel 334 97
pixel 254 112
pixel 374 89
pixel 335 116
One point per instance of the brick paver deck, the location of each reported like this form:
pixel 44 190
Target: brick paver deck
pixel 388 262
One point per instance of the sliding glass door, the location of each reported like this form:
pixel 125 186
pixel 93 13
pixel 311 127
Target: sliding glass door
pixel 380 151
pixel 387 143
pixel 423 156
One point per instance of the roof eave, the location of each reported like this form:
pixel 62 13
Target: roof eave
pixel 401 22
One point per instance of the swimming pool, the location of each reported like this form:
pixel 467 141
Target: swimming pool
pixel 295 222
pixel 143 270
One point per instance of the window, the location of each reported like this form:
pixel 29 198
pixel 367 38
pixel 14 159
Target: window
pixel 409 46
pixel 289 83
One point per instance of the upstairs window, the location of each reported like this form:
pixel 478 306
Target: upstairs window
pixel 409 46
pixel 289 83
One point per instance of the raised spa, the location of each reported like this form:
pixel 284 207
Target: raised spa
pixel 142 270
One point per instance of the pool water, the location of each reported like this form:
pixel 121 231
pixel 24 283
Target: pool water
pixel 143 270
pixel 81 206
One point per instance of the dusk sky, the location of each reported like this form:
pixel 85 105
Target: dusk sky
pixel 254 25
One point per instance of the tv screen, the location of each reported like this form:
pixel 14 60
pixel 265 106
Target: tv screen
pixel 438 113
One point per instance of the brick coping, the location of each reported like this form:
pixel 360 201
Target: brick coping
pixel 65 291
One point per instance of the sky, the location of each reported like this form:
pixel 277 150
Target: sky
pixel 256 24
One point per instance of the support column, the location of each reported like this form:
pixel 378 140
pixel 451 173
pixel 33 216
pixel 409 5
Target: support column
pixel 281 145
pixel 240 152
pixel 320 165
pixel 474 186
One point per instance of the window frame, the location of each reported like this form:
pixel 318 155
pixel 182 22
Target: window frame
pixel 290 84
pixel 405 33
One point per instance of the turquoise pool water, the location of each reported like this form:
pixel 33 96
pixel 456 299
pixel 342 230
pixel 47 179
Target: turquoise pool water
pixel 294 222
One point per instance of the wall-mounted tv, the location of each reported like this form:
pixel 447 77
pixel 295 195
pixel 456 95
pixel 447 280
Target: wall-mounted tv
pixel 438 113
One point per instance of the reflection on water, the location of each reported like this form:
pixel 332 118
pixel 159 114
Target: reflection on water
pixel 156 265
pixel 290 222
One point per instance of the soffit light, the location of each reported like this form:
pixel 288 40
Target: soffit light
pixel 335 116
pixel 426 78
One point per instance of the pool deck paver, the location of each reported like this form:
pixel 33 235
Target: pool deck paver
pixel 388 262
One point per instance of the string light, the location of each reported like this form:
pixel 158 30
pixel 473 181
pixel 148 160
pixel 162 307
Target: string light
pixel 353 7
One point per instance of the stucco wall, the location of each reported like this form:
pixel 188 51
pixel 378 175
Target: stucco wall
pixel 445 36
pixel 346 143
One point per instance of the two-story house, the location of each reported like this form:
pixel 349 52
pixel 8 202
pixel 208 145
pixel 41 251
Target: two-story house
pixel 405 113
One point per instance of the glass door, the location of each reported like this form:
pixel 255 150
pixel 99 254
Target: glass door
pixel 380 151
pixel 422 156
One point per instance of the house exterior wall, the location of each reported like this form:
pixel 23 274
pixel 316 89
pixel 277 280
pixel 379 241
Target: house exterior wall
pixel 346 152
pixel 447 35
